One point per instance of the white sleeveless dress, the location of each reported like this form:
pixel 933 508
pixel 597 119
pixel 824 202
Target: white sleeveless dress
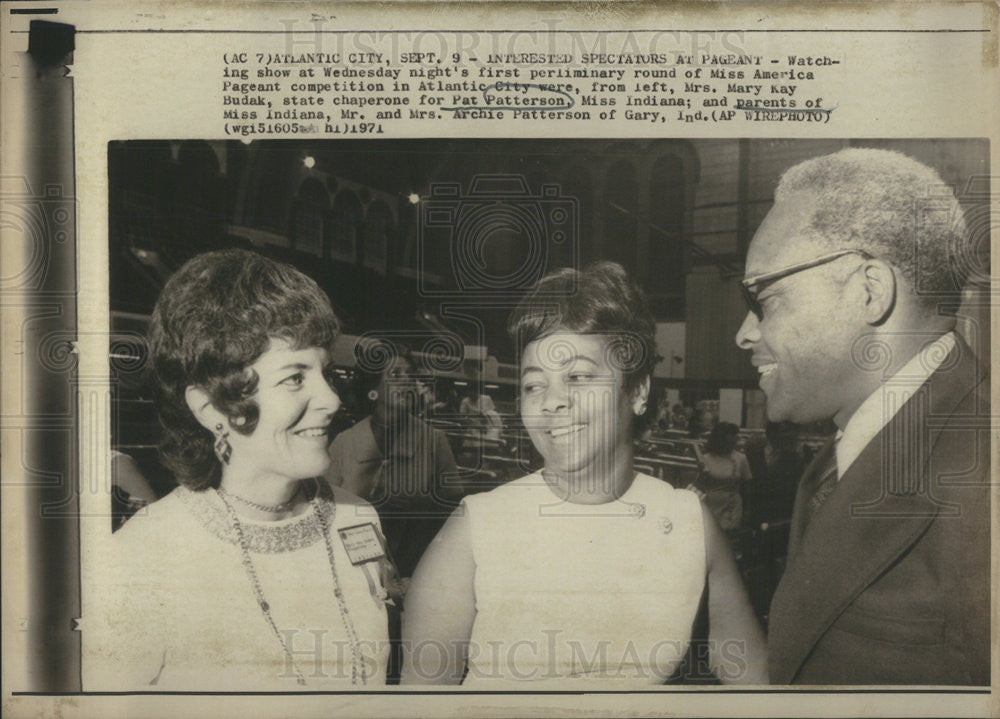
pixel 595 592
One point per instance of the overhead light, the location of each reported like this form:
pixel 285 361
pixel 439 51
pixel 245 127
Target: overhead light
pixel 414 198
pixel 309 161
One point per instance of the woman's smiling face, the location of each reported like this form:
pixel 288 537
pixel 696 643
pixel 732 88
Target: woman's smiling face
pixel 296 404
pixel 574 405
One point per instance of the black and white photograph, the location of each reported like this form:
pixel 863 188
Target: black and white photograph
pixel 597 411
pixel 312 414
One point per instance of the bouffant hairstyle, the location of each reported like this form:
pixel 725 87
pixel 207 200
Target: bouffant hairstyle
pixel 891 206
pixel 722 438
pixel 214 318
pixel 600 299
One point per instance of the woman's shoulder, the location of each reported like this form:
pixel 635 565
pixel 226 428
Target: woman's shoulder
pixel 653 489
pixel 153 533
pixel 164 511
pixel 741 463
pixel 709 458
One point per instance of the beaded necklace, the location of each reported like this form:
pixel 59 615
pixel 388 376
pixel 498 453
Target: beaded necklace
pixel 271 509
pixel 357 664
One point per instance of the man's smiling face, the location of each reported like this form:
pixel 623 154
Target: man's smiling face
pixel 802 344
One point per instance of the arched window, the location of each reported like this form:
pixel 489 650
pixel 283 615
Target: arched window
pixel 378 224
pixel 139 201
pixel 620 212
pixel 306 220
pixel 666 241
pixel 198 204
pixel 342 228
pixel 577 249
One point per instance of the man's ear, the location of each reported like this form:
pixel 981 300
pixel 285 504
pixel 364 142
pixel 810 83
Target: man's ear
pixel 640 396
pixel 880 291
pixel 203 410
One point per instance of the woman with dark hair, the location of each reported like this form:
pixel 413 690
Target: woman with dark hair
pixel 252 574
pixel 586 569
pixel 725 469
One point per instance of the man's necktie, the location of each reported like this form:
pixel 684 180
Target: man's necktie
pixel 824 485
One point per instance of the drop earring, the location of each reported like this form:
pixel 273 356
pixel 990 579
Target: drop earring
pixel 223 450
pixel 373 395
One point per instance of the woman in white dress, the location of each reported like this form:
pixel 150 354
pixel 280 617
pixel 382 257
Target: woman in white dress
pixel 250 575
pixel 586 570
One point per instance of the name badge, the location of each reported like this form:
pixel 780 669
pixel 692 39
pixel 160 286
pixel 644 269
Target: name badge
pixel 362 543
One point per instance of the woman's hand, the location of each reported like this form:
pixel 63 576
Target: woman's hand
pixel 394 585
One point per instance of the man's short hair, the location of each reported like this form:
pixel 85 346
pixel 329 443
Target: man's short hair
pixel 893 207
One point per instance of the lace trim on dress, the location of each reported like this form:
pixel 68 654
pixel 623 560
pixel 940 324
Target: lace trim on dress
pixel 261 537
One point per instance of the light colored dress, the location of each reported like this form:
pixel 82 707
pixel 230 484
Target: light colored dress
pixel 185 615
pixel 570 592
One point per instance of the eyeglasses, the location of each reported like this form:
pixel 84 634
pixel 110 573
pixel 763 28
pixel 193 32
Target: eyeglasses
pixel 753 304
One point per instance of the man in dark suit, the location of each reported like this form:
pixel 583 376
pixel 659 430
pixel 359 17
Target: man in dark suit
pixel 888 574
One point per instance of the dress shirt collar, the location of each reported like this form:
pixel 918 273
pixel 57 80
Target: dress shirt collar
pixel 882 405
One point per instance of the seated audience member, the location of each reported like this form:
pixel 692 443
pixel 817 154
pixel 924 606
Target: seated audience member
pixel 484 409
pixel 725 470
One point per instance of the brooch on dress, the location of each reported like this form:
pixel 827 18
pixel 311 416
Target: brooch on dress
pixel 637 509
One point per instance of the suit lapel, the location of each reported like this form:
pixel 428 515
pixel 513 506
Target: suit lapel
pixel 838 556
pixel 876 512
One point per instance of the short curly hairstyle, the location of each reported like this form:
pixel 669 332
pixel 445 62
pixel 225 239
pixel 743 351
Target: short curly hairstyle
pixel 891 206
pixel 600 299
pixel 214 318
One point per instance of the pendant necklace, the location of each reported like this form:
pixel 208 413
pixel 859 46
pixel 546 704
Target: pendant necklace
pixel 357 663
